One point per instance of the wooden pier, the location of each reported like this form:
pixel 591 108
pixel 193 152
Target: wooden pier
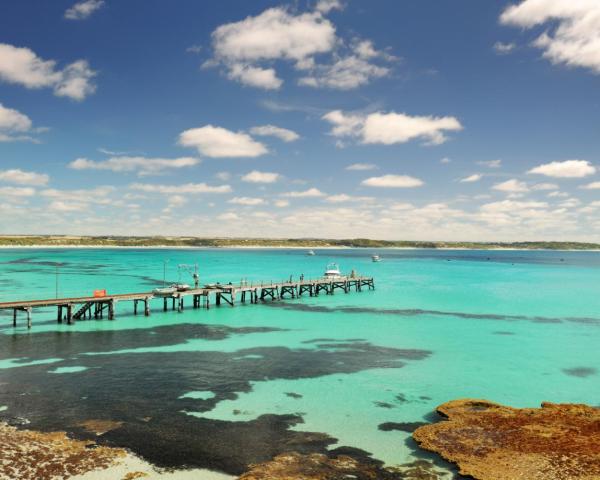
pixel 80 308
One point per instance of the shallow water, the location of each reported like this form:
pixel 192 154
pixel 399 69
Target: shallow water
pixel 230 386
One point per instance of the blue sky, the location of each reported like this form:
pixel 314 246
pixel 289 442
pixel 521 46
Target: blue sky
pixel 461 120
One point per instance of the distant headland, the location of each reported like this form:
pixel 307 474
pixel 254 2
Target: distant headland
pixel 174 241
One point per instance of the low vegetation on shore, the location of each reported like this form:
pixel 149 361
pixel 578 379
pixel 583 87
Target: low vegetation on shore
pixel 157 241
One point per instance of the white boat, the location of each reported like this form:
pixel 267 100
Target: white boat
pixel 311 253
pixel 164 291
pixel 332 271
pixel 376 258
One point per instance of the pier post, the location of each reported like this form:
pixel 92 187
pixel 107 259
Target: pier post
pixel 28 310
pixel 218 299
pixel 135 307
pixel 59 314
pixel 165 306
pixel 14 317
pixel 70 314
pixel 146 307
pixel 111 310
pixel 180 307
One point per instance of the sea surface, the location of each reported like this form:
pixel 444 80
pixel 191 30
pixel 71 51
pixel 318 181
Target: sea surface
pixel 352 373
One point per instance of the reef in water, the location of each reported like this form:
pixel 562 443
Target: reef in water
pixel 293 466
pixel 489 441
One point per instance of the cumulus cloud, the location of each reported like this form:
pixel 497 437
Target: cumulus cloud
pixel 21 177
pixel 141 165
pixel 191 188
pixel 281 203
pixel 573 34
pixel 273 131
pixel 310 193
pixel 392 181
pixel 247 201
pixel 565 169
pixel 361 166
pixel 82 10
pixel 14 125
pixel 391 128
pixel 592 186
pixel 218 142
pixel 277 34
pixel 17 192
pixel 256 176
pixel 511 186
pixel 23 67
pixel 344 198
pixel 471 178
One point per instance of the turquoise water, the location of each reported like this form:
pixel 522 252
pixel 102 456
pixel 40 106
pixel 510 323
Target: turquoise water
pixel 509 326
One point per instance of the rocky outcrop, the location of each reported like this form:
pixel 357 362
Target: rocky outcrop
pixel 294 466
pixel 29 455
pixel 489 441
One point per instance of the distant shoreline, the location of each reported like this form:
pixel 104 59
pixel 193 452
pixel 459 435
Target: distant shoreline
pixel 281 247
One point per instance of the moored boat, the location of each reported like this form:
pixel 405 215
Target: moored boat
pixel 332 271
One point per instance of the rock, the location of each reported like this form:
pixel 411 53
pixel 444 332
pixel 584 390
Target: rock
pixel 30 455
pixel 489 441
pixel 316 466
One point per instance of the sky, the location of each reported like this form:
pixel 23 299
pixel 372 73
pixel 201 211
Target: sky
pixel 388 119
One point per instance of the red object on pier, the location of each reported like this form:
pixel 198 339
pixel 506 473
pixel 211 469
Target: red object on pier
pixel 99 293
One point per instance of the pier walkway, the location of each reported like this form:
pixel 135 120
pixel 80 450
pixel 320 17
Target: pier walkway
pixel 76 308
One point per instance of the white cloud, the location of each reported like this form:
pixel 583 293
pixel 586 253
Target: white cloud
pixel 512 206
pixel 256 176
pixel 252 76
pixel 392 181
pixel 97 195
pixel 22 66
pixel 192 188
pixel 565 169
pixel 141 165
pixel 592 186
pixel 247 201
pixel 281 203
pixel 472 178
pixel 310 193
pixel 504 48
pixel 14 125
pixel 558 194
pixel 344 198
pixel 82 10
pixel 511 186
pixel 21 177
pixel 279 34
pixel 545 186
pixel 325 6
pixel 274 34
pixel 344 73
pixel 445 160
pixel 194 49
pixel 176 201
pixel 271 130
pixel 361 166
pixel 17 191
pixel 391 128
pixel 491 163
pixel 228 216
pixel 573 34
pixel 218 142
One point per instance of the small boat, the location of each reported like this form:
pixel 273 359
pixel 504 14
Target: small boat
pixel 181 287
pixel 376 258
pixel 311 253
pixel 332 271
pixel 164 291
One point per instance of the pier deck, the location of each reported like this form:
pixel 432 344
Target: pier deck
pixel 74 308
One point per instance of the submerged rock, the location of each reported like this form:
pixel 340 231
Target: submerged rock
pixel 489 441
pixel 316 466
